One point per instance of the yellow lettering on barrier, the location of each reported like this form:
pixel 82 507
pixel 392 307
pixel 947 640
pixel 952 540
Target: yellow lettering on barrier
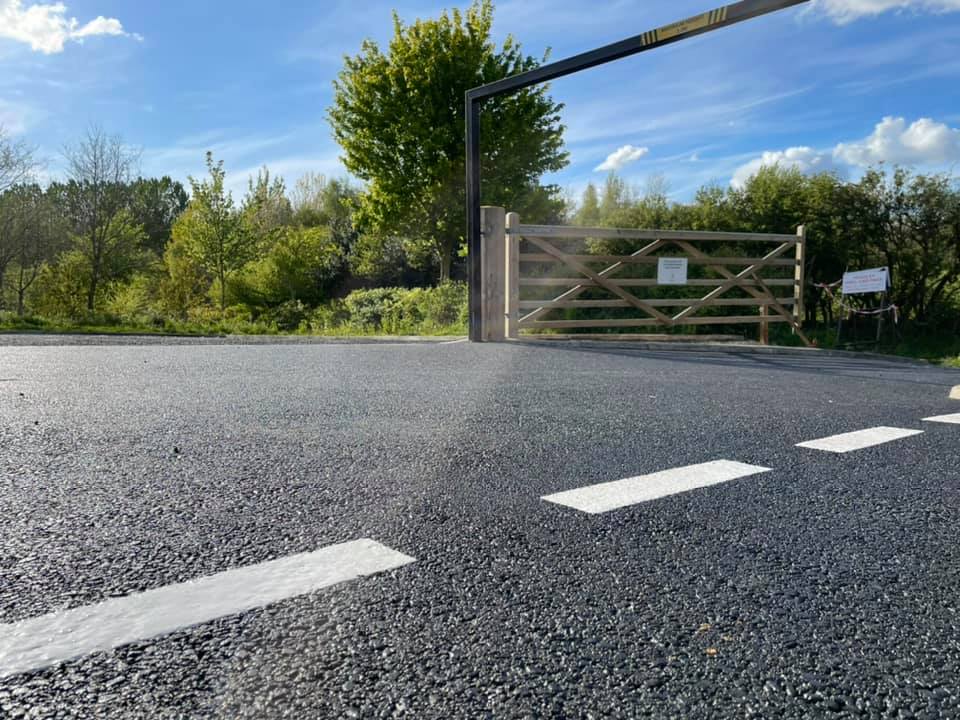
pixel 696 22
pixel 678 28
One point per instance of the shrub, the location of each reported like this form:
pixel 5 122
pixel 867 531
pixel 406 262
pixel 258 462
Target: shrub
pixel 330 317
pixel 132 301
pixel 287 316
pixel 61 289
pixel 401 311
pixel 367 309
pixel 302 265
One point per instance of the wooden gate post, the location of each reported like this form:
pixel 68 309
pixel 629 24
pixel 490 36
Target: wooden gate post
pixel 798 276
pixel 764 326
pixel 493 263
pixel 512 276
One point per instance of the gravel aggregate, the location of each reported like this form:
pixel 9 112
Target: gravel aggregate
pixel 825 588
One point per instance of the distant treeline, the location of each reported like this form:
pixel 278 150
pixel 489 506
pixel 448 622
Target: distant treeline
pixel 109 247
pixel 906 221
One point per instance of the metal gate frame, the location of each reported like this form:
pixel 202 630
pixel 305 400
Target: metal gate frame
pixel 674 32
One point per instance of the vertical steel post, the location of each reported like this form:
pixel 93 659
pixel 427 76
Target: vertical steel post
pixel 474 239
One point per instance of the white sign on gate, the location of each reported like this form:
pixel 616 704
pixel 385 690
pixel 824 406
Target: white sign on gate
pixel 866 281
pixel 671 271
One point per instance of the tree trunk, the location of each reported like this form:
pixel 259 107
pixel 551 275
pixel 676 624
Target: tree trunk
pixel 223 291
pixel 21 291
pixel 92 291
pixel 446 260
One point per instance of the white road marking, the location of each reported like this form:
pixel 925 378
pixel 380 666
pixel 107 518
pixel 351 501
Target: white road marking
pixel 621 493
pixel 43 641
pixel 454 342
pixel 953 419
pixel 955 392
pixel 859 439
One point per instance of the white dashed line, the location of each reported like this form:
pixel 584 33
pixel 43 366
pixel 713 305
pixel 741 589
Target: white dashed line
pixel 621 493
pixel 454 342
pixel 846 442
pixel 43 641
pixel 953 419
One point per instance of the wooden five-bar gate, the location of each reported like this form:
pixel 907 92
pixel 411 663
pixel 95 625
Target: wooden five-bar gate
pixel 547 277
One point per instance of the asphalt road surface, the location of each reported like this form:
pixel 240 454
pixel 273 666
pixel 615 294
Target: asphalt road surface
pixel 203 513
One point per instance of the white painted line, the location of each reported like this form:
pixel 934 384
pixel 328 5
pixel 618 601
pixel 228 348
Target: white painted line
pixel 953 419
pixel 955 392
pixel 858 440
pixel 43 641
pixel 454 342
pixel 621 493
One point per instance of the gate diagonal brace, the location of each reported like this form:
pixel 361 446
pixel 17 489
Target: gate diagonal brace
pixel 732 280
pixel 601 281
pixel 575 292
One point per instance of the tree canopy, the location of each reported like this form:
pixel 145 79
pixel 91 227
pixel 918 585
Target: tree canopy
pixel 399 118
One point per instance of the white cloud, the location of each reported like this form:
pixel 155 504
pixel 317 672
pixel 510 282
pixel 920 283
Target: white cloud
pixel 922 142
pixel 845 11
pixel 805 159
pixel 46 27
pixel 621 157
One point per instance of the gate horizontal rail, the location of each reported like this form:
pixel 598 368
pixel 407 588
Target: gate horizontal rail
pixel 648 260
pixel 643 282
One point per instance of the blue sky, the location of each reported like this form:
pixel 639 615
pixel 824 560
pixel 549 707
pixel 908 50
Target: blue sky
pixel 838 84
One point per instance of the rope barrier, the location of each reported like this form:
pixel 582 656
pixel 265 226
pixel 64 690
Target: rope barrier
pixel 850 310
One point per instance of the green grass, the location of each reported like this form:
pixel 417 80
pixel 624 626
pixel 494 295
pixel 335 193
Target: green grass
pixel 936 347
pixel 105 325
pixel 939 348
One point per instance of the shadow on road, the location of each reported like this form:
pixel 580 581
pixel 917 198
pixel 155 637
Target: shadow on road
pixel 808 364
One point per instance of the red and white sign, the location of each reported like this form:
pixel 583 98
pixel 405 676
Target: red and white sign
pixel 866 281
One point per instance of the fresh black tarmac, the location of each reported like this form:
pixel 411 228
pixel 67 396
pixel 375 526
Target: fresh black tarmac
pixel 827 587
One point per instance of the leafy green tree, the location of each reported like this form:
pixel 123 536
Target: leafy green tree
pixel 772 201
pixel 17 165
pixel 184 282
pixel 302 265
pixel 711 210
pixel 96 200
pixel 914 223
pixel 779 199
pixel 155 204
pixel 212 231
pixel 61 288
pixel 616 196
pixel 13 223
pixel 330 203
pixel 399 118
pixel 35 233
pixel 588 214
pixel 382 259
pixel 541 205
pixel 266 207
